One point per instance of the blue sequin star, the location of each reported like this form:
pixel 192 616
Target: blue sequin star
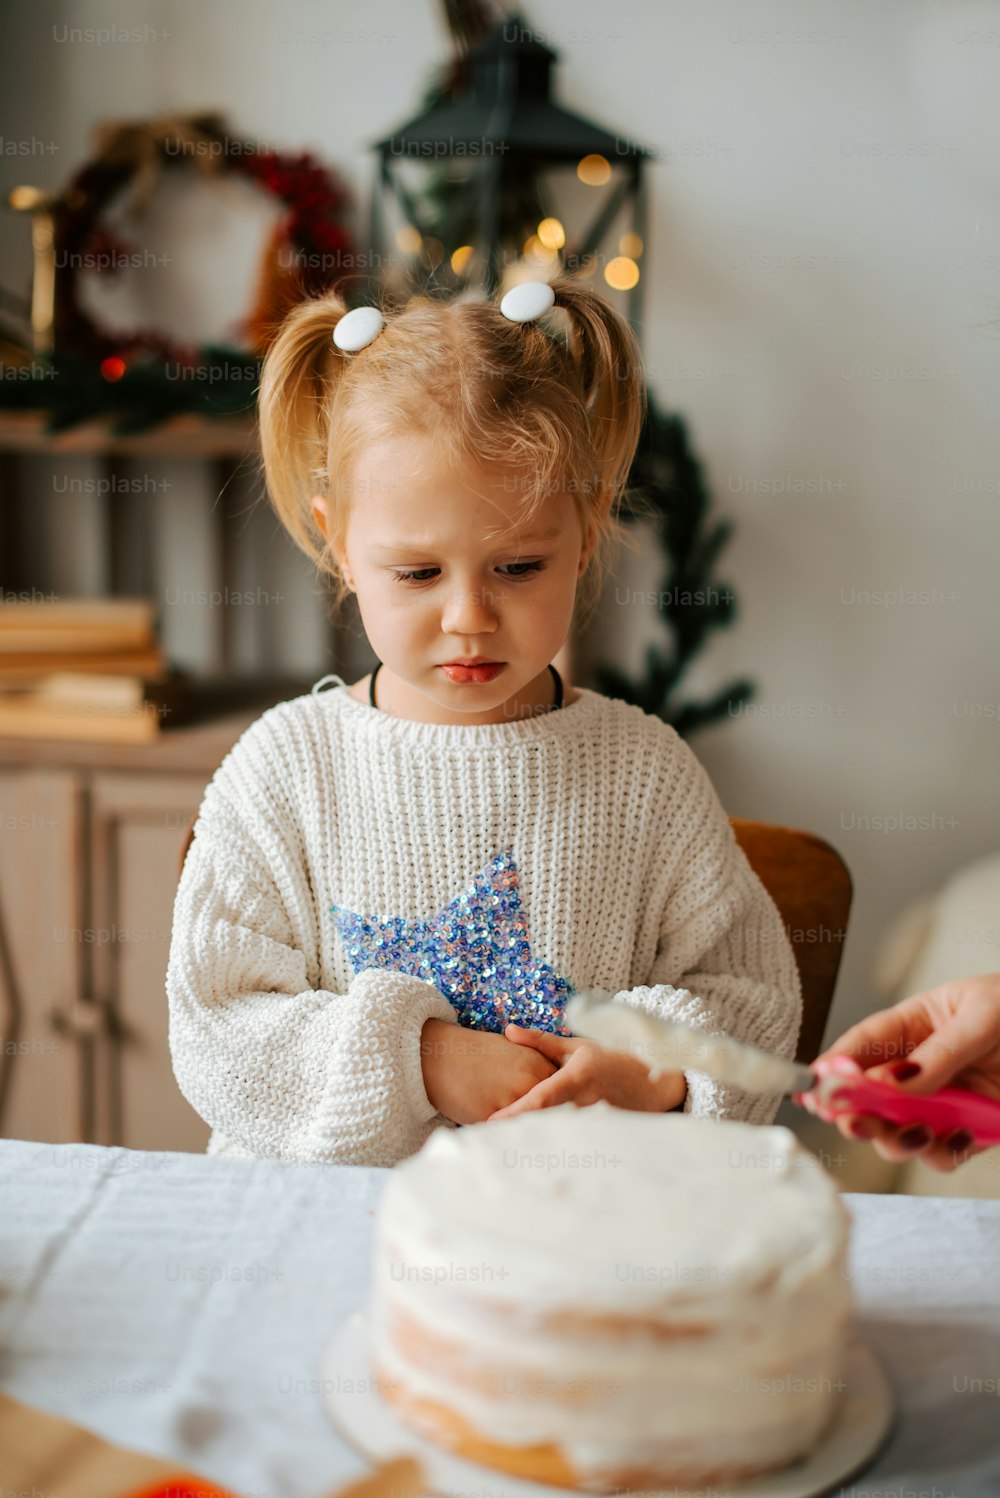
pixel 476 951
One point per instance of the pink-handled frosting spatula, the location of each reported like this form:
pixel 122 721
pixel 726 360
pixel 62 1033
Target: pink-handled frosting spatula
pixel 827 1089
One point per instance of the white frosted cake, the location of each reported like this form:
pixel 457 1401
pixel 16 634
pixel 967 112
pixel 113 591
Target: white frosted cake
pixel 601 1298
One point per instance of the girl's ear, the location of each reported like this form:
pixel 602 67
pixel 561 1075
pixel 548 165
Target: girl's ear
pixel 587 549
pixel 319 513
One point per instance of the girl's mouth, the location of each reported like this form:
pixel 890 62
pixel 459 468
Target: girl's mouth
pixel 473 673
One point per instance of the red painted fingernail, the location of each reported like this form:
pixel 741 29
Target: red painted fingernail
pixel 905 1071
pixel 916 1137
pixel 959 1142
pixel 862 1127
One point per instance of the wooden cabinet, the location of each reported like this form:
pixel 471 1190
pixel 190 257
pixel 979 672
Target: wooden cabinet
pixel 91 837
pixel 39 900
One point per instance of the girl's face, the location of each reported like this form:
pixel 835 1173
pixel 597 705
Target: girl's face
pixel 434 586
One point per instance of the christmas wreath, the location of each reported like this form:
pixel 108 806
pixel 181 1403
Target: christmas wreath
pixel 87 370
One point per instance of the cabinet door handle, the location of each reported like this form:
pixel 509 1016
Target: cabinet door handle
pixel 10 1024
pixel 87 1018
pixel 82 1019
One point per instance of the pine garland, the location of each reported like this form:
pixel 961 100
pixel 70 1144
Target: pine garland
pixel 218 382
pixel 691 603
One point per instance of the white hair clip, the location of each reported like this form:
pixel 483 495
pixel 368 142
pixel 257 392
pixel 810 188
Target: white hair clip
pixel 529 300
pixel 358 328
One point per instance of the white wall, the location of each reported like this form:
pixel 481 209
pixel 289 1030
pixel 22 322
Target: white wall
pixel 861 139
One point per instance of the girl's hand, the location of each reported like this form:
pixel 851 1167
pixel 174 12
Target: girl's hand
pixel 468 1074
pixel 589 1073
pixel 948 1036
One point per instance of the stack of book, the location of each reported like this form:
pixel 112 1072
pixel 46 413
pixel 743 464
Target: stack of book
pixel 86 668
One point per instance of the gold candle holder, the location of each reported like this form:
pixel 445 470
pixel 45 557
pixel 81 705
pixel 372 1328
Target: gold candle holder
pixel 43 285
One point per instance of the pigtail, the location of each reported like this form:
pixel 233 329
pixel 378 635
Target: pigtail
pixel 300 379
pixel 606 361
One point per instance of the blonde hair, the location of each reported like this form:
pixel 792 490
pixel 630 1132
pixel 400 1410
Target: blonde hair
pixel 564 412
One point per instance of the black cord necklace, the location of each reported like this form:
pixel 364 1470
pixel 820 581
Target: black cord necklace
pixel 555 676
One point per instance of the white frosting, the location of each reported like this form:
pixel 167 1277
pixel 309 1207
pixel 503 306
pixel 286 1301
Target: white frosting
pixel 671 1046
pixel 723 1244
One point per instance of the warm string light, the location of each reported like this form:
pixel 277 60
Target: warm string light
pixel 594 171
pixel 408 239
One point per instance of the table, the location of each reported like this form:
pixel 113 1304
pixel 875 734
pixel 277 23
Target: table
pixel 181 1304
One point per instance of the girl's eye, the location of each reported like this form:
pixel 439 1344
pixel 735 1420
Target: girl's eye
pixel 411 577
pixel 422 574
pixel 531 567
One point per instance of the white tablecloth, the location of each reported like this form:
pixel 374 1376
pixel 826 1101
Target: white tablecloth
pixel 181 1304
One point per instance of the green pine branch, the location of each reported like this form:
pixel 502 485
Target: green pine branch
pixel 692 603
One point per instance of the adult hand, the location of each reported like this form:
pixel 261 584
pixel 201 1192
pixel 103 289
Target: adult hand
pixel 948 1036
pixel 589 1073
pixel 468 1074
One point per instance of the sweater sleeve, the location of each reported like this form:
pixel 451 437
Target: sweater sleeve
pixel 723 961
pixel 280 1067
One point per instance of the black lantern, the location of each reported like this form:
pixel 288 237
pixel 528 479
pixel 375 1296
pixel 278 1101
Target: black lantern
pixel 507 128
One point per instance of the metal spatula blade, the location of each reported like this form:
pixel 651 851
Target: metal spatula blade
pixel 667 1045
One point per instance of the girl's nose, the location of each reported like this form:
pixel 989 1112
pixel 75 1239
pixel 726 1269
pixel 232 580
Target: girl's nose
pixel 468 611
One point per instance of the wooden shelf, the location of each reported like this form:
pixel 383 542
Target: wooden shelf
pixel 194 746
pixel 187 436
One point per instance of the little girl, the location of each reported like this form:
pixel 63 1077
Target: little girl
pixel 395 886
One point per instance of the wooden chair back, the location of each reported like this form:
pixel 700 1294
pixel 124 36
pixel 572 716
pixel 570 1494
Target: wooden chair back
pixel 810 884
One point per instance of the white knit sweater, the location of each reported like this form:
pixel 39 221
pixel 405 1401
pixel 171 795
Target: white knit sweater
pixel 510 863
